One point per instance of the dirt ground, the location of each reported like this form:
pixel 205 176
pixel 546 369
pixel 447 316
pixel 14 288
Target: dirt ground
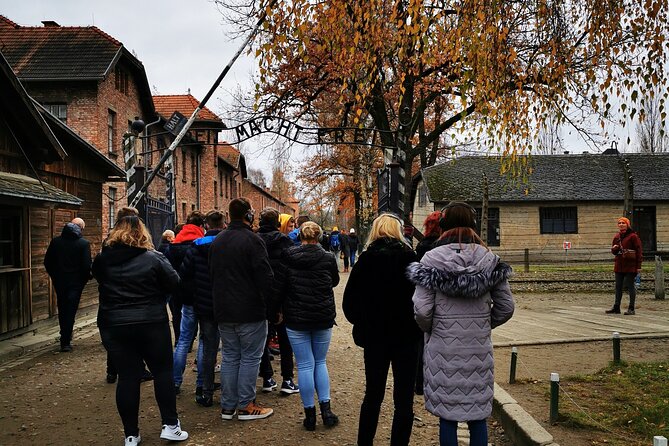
pixel 62 398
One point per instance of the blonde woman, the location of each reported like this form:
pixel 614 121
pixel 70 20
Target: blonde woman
pixel 309 313
pixel 133 279
pixel 377 301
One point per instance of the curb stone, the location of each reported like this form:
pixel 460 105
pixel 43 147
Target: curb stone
pixel 519 425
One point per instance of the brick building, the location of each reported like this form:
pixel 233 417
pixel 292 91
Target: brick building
pixel 88 80
pixel 208 173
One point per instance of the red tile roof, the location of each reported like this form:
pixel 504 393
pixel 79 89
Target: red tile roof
pixel 184 104
pixel 55 52
pixel 229 154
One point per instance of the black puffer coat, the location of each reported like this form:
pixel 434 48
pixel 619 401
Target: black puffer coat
pixel 195 271
pixel 311 273
pixel 132 283
pixel 276 243
pixel 377 298
pixel 176 253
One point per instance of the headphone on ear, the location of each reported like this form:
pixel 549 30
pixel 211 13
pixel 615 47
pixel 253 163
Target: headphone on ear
pixel 250 214
pixel 443 223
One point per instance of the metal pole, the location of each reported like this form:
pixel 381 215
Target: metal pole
pixel 184 130
pixel 514 358
pixel 527 260
pixel 555 392
pixel 616 347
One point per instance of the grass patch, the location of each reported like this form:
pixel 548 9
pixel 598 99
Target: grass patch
pixel 631 400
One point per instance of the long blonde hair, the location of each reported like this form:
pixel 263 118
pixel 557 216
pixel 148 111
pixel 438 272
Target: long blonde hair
pixel 386 225
pixel 130 231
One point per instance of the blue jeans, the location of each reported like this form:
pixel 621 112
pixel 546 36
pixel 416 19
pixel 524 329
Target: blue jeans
pixel 243 345
pixel 311 348
pixel 448 433
pixel 186 335
pixel 352 258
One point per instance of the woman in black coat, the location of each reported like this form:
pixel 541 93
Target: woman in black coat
pixel 133 279
pixel 377 301
pixel 306 296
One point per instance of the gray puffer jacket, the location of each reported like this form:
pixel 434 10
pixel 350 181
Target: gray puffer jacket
pixel 462 292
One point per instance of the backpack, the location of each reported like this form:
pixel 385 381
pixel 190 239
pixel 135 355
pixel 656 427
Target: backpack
pixel 334 241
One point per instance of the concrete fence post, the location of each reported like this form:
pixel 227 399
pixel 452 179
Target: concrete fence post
pixel 659 441
pixel 659 278
pixel 555 395
pixel 514 358
pixel 526 260
pixel 616 347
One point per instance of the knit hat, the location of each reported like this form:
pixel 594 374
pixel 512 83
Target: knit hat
pixel 352 231
pixel 626 221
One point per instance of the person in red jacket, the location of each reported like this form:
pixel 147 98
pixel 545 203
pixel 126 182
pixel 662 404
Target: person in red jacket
pixel 626 247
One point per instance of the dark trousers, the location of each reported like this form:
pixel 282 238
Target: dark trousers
pixel 210 341
pixel 448 432
pixel 68 303
pixel 346 259
pixel 128 347
pixel 286 352
pixel 378 359
pixel 625 280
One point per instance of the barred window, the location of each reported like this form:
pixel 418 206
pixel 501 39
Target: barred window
pixel 558 220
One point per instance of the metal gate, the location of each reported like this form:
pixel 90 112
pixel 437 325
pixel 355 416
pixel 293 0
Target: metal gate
pixel 159 217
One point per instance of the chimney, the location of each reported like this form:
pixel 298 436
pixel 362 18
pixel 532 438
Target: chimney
pixel 50 24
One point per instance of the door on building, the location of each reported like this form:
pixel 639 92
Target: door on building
pixel 14 271
pixel 643 222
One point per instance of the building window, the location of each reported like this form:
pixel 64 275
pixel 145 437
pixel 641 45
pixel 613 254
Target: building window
pixel 422 195
pixel 183 166
pixel 193 170
pixel 112 207
pixel 183 211
pixel 558 220
pixel 111 128
pixel 215 194
pixel 493 238
pixel 58 110
pixel 121 80
pixel 10 239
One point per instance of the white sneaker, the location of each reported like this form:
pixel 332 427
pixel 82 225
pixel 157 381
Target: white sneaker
pixel 132 440
pixel 173 433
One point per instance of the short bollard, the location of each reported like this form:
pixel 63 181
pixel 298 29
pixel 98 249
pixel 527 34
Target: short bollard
pixel 659 441
pixel 616 347
pixel 514 358
pixel 555 393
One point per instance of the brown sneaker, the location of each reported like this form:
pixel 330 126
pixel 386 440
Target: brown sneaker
pixel 253 412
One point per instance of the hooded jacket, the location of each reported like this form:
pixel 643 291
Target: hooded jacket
pixel 462 292
pixel 306 288
pixel 377 298
pixel 195 270
pixel 176 252
pixel 68 258
pixel 132 283
pixel 241 275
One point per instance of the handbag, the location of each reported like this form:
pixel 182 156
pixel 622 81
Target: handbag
pixel 629 254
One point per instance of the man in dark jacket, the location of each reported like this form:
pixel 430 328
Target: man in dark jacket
pixel 68 263
pixel 183 295
pixel 276 243
pixel 195 270
pixel 241 282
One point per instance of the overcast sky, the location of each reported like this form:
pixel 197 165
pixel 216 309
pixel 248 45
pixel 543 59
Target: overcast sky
pixel 182 45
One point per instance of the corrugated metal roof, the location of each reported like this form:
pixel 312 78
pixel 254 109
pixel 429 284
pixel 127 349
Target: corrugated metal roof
pixel 24 187
pixel 583 177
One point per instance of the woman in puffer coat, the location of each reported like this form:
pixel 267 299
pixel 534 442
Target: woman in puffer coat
pixel 133 279
pixel 462 292
pixel 306 296
pixel 377 301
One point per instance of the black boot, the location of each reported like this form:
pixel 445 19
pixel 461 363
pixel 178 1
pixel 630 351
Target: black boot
pixel 614 310
pixel 309 418
pixel 329 419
